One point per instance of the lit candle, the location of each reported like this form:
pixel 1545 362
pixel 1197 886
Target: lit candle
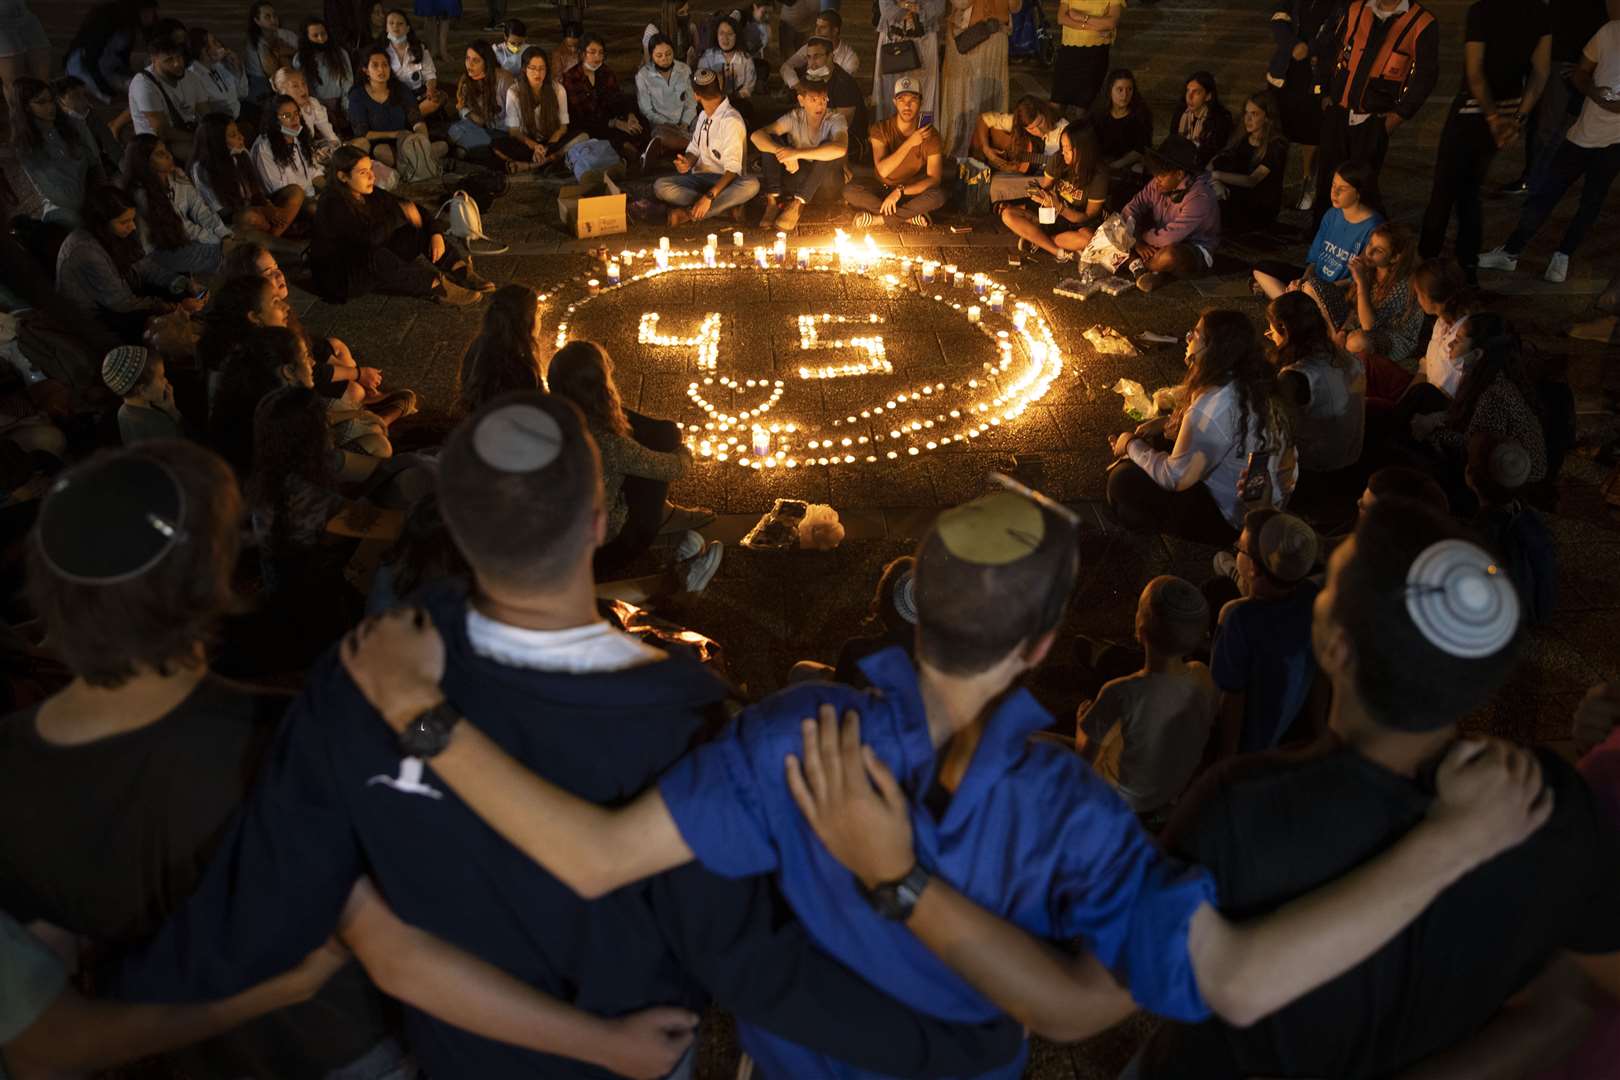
pixel 979 284
pixel 626 256
pixel 761 257
pixel 593 286
pixel 973 313
pixel 709 255
pixel 780 247
pixel 714 240
pixel 998 301
pixel 661 257
pixel 663 244
pixel 804 258
pixel 930 268
pixel 762 442
pixel 1020 317
pixel 958 278
pixel 613 271
pixel 737 238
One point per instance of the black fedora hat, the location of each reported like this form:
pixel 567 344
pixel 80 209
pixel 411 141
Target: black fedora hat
pixel 1175 152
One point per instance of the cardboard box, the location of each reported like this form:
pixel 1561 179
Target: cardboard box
pixel 590 214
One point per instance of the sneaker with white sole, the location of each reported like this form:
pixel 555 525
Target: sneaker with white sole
pixel 1225 564
pixel 863 221
pixel 921 221
pixel 698 571
pixel 1557 268
pixel 690 547
pixel 1498 259
pixel 1307 199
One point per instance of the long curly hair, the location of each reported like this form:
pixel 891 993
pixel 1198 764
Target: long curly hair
pixel 225 320
pixel 504 356
pixel 530 103
pixel 231 177
pixel 1233 354
pixel 582 372
pixel 252 369
pixel 104 205
pixel 27 134
pixel 163 224
pixel 1402 261
pixel 281 147
pixel 292 440
pixel 1304 331
pixel 481 95
pixel 329 61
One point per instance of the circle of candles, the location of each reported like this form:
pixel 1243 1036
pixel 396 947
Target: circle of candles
pixel 973 313
pixel 737 238
pixel 593 286
pixel 998 301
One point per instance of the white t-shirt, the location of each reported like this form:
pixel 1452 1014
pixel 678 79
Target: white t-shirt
pixel 579 650
pixel 796 126
pixel 1440 369
pixel 414 73
pixel 514 114
pixel 1598 127
pixel 145 97
pixel 214 88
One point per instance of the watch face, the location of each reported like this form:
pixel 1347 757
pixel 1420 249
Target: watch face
pixel 429 733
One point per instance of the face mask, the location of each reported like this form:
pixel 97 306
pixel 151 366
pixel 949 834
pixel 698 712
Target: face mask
pixel 818 73
pixel 239 149
pixel 590 66
pixel 399 39
pixel 1469 358
pixel 292 133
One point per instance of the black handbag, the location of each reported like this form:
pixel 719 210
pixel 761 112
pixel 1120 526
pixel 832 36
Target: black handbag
pixel 976 35
pixel 896 57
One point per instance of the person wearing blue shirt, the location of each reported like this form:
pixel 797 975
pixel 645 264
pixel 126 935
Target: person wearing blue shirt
pixel 1011 830
pixel 1341 234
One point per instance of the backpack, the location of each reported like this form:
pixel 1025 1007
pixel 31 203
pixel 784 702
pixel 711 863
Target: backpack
pixel 467 224
pixel 415 159
pixel 593 155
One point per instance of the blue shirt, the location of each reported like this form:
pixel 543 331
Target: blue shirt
pixel 1031 834
pixel 1263 650
pixel 1337 240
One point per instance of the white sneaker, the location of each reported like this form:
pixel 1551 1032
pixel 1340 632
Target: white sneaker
pixel 919 222
pixel 1498 259
pixel 690 547
pixel 863 221
pixel 697 572
pixel 1557 268
pixel 1225 564
pixel 1307 199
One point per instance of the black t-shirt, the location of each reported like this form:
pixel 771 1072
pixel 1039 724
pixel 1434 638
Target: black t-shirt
pixel 1510 30
pixel 1573 24
pixel 1267 195
pixel 1119 137
pixel 1271 827
pixel 107 838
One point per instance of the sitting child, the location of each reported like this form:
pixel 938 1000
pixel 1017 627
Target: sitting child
pixel 1153 724
pixel 148 411
pixel 1497 471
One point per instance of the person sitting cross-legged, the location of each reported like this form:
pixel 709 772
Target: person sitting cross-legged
pixel 1026 831
pixel 710 177
pixel 1177 217
pixel 909 161
pixel 1074 187
pixel 804 149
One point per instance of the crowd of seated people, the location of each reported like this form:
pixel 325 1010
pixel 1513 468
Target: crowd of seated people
pixel 489 827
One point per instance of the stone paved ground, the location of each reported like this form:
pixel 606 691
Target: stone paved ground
pixel 1059 443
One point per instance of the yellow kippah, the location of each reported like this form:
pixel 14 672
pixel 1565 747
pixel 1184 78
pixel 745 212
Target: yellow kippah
pixel 993 530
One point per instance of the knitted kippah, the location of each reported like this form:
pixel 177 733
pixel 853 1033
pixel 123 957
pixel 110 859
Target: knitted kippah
pixel 121 368
pixel 1287 547
pixel 905 597
pixel 1461 601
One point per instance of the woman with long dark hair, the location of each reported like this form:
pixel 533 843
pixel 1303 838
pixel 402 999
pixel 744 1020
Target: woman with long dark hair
pixel 412 62
pixel 381 111
pixel 284 154
pixel 536 111
pixel 217 72
pixel 505 355
pixel 481 104
pixel 270 48
pixel 1185 475
pixel 98 54
pixel 1324 386
pixel 57 153
pixel 1201 118
pixel 1074 186
pixel 1124 125
pixel 179 231
pixel 226 178
pixel 100 266
pixel 367 240
pixel 640 457
pixel 261 359
pixel 326 64
pixel 1248 173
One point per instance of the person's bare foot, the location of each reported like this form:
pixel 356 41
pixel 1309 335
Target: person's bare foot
pixel 772 208
pixel 678 215
pixel 788 219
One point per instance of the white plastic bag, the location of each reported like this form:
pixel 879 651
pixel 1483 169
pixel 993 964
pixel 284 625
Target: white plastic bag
pixel 1111 244
pixel 820 529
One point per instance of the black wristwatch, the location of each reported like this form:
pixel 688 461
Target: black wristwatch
pixel 430 732
pixel 897 899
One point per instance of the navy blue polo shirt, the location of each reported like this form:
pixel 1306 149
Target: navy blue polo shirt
pixel 1031 834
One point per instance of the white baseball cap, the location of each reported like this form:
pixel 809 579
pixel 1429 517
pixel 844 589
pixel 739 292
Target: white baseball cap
pixel 906 84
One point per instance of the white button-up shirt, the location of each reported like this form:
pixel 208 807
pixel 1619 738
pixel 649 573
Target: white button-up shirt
pixel 719 141
pixel 666 101
pixel 414 73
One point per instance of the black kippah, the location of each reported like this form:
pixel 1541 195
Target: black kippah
pixel 111 522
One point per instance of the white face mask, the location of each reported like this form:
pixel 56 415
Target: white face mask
pixel 399 39
pixel 239 149
pixel 818 73
pixel 292 133
pixel 590 66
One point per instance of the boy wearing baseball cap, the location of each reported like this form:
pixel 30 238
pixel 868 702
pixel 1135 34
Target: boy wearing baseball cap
pixel 909 159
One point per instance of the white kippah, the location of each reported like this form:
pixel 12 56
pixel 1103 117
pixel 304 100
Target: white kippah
pixel 1461 601
pixel 905 597
pixel 518 439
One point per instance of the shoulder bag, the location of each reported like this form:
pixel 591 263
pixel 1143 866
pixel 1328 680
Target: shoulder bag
pixel 898 57
pixel 976 35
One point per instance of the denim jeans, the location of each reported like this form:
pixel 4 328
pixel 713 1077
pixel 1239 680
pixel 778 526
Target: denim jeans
pixel 806 181
pixel 1569 163
pixel 469 136
pixel 684 189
